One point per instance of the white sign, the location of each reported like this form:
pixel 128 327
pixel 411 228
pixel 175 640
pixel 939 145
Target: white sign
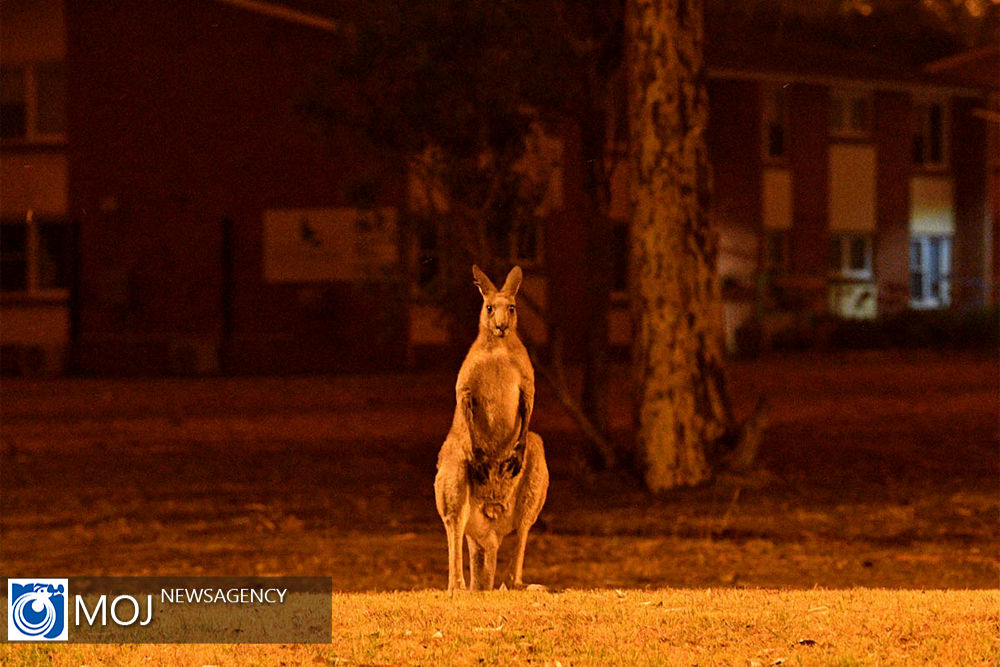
pixel 327 244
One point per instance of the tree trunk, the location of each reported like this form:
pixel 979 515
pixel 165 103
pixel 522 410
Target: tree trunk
pixel 681 405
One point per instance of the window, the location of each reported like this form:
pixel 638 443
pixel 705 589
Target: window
pixel 929 135
pixel 526 240
pixel 850 114
pixel 50 96
pixel 775 140
pixel 13 257
pixel 851 256
pixel 428 260
pixel 930 262
pixel 620 241
pixel 13 104
pixel 33 102
pixel 516 238
pixel 34 256
pixel 776 252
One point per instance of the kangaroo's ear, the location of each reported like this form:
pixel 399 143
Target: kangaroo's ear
pixel 513 282
pixel 486 287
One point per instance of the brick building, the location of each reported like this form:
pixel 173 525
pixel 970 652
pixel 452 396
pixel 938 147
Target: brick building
pixel 165 209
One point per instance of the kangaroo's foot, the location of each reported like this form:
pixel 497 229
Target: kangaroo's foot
pixel 515 584
pixel 524 587
pixel 456 587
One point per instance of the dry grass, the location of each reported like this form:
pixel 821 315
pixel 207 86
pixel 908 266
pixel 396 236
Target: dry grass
pixel 668 627
pixel 882 474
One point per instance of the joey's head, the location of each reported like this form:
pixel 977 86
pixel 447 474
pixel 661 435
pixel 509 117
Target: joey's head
pixel 498 316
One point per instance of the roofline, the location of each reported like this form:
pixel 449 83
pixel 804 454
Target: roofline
pixel 958 59
pixel 845 82
pixel 284 13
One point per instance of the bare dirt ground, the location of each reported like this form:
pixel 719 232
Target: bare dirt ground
pixel 881 470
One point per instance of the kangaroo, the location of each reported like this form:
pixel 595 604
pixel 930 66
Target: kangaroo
pixel 491 473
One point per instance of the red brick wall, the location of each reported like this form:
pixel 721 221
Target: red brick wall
pixel 181 114
pixel 893 118
pixel 734 141
pixel 808 156
pixel 970 275
pixel 566 251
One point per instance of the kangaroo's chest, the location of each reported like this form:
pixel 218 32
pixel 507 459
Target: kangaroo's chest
pixel 495 382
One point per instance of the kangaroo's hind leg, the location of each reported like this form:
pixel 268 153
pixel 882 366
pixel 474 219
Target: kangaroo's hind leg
pixel 531 498
pixel 477 564
pixel 490 565
pixel 515 572
pixel 482 563
pixel 454 529
pixel 451 491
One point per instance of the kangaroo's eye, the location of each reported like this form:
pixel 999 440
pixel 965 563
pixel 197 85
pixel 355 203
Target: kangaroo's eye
pixel 510 309
pixel 489 309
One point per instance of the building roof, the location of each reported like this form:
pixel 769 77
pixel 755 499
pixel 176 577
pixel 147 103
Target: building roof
pixel 299 14
pixel 812 61
pixel 978 68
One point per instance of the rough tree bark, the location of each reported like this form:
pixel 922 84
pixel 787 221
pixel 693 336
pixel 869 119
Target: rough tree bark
pixel 681 403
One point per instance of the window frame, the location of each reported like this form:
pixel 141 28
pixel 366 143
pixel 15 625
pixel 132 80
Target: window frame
pixel 775 239
pixel 32 258
pixel 774 111
pixel 846 99
pixel 922 129
pixel 529 223
pixel 621 242
pixel 32 115
pixel 845 270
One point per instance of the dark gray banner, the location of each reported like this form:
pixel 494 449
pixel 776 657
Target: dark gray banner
pixel 169 610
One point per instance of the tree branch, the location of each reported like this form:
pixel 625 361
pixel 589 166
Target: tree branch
pixel 555 377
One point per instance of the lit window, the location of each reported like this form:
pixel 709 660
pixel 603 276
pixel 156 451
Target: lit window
pixel 34 256
pixel 930 266
pixel 850 113
pixel 33 102
pixel 851 256
pixel 929 135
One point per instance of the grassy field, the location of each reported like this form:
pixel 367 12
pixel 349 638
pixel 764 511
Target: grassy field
pixel 878 481
pixel 655 627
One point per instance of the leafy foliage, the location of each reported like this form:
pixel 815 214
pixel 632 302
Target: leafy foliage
pixel 909 30
pixel 461 91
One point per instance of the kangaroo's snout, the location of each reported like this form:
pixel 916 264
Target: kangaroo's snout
pixel 500 330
